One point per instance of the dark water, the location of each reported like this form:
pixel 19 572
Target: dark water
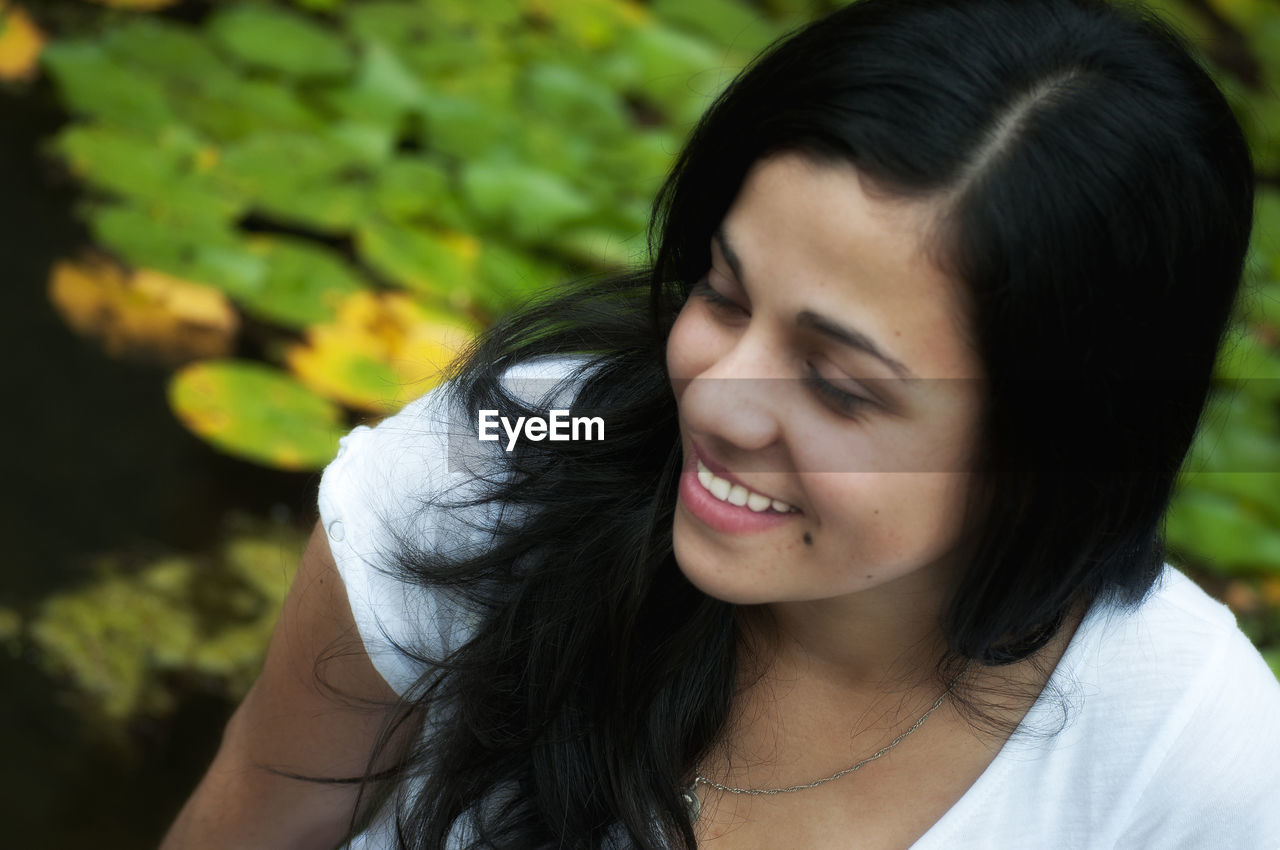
pixel 93 463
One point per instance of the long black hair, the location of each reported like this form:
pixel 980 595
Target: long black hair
pixel 1097 202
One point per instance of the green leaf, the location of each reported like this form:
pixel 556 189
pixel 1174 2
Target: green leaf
pixel 267 162
pixel 319 5
pixel 587 25
pixel 728 23
pixel 463 128
pixel 434 263
pixel 257 413
pixel 331 207
pixel 679 72
pixel 1216 529
pixel 1258 492
pixel 275 39
pixel 303 282
pixel 508 277
pixel 145 240
pixel 236 108
pixel 1239 432
pixel 408 188
pixel 91 82
pixel 533 205
pixel 179 55
pixel 636 164
pixel 1272 657
pixel 382 90
pixel 601 248
pixel 1246 362
pixel 370 143
pixel 563 96
pixel 390 22
pixel 159 172
pixel 1265 239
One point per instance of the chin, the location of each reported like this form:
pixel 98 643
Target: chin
pixel 741 583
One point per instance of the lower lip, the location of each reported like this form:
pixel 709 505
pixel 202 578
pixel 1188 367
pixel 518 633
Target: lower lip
pixel 722 516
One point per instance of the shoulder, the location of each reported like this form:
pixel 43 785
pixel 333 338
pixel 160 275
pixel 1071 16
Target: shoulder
pixel 388 488
pixel 1153 669
pixel 1176 736
pixel 1212 776
pixel 389 470
pixel 1160 727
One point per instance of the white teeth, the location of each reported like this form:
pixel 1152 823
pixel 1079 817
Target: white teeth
pixel 720 488
pixel 736 494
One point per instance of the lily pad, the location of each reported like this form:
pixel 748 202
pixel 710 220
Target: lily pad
pixel 278 40
pixel 725 22
pixel 271 162
pixel 257 413
pixel 679 72
pixel 302 284
pixel 383 88
pixel 1214 528
pixel 416 188
pixel 381 352
pixel 436 263
pixel 162 172
pixel 232 107
pixel 180 55
pixel 146 314
pixel 1246 361
pixel 463 128
pixel 532 204
pixel 567 96
pixel 169 242
pixel 92 82
pixel 588 24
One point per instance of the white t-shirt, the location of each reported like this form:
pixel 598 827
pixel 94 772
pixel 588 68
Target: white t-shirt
pixel 1173 736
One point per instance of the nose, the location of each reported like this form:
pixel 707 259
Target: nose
pixel 738 399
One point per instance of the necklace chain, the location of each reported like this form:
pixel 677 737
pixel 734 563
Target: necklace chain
pixel 695 804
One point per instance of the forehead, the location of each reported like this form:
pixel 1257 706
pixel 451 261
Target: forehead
pixel 811 237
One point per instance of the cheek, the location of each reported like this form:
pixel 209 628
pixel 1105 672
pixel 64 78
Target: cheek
pixel 691 345
pixel 903 516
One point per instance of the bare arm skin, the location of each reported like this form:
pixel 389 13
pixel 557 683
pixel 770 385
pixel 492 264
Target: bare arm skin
pixel 290 721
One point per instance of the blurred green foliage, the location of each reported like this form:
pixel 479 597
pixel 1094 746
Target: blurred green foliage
pixel 468 153
pixel 132 627
pixel 362 179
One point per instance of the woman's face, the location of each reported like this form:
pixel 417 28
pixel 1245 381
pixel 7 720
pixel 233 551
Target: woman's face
pixel 820 369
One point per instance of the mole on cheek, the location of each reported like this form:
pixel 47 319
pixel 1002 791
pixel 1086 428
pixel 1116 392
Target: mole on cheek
pixel 808 539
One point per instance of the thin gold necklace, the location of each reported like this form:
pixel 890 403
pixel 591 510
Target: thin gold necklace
pixel 694 803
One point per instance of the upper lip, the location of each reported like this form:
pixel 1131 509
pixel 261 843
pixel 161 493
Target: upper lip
pixel 721 472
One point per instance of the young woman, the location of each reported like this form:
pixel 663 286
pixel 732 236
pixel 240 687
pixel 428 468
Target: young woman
pixel 870 553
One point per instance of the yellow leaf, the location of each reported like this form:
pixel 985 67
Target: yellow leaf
pixel 147 315
pixel 20 44
pixel 380 351
pixel 191 303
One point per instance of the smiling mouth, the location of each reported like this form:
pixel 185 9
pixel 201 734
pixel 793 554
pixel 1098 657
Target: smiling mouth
pixel 736 494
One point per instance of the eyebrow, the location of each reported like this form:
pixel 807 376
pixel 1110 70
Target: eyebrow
pixel 825 326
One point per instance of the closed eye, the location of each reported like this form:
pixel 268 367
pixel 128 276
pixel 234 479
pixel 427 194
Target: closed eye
pixel 845 403
pixel 704 290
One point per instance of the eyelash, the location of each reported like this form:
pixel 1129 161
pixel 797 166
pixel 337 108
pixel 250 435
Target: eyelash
pixel 847 404
pixel 704 290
